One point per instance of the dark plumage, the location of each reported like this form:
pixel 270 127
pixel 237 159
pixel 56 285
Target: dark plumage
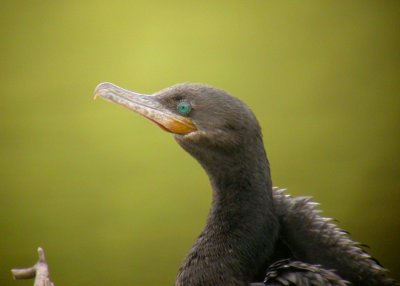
pixel 251 225
pixel 286 272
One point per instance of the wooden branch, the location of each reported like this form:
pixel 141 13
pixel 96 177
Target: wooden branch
pixel 39 271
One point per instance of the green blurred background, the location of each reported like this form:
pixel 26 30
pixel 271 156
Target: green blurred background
pixel 113 199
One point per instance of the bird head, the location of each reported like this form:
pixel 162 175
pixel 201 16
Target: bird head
pixel 198 115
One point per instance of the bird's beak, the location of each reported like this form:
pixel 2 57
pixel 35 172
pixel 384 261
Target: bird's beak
pixel 147 106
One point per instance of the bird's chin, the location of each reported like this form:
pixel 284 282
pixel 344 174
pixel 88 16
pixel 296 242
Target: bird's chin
pixel 190 137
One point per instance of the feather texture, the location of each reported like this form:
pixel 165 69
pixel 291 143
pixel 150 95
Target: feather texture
pixel 286 272
pixel 315 239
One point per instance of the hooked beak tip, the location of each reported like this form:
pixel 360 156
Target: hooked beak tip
pixel 101 87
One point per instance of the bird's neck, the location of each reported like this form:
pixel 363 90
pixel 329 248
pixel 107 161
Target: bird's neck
pixel 241 228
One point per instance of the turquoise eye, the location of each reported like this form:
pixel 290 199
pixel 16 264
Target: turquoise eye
pixel 184 107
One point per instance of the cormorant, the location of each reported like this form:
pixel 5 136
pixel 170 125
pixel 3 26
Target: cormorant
pixel 254 232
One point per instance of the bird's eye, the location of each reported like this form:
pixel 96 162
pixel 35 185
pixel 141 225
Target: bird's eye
pixel 184 107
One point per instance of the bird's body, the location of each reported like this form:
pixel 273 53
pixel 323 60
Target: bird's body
pixel 250 225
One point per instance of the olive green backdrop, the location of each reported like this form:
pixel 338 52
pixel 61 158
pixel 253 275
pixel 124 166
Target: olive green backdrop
pixel 113 199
